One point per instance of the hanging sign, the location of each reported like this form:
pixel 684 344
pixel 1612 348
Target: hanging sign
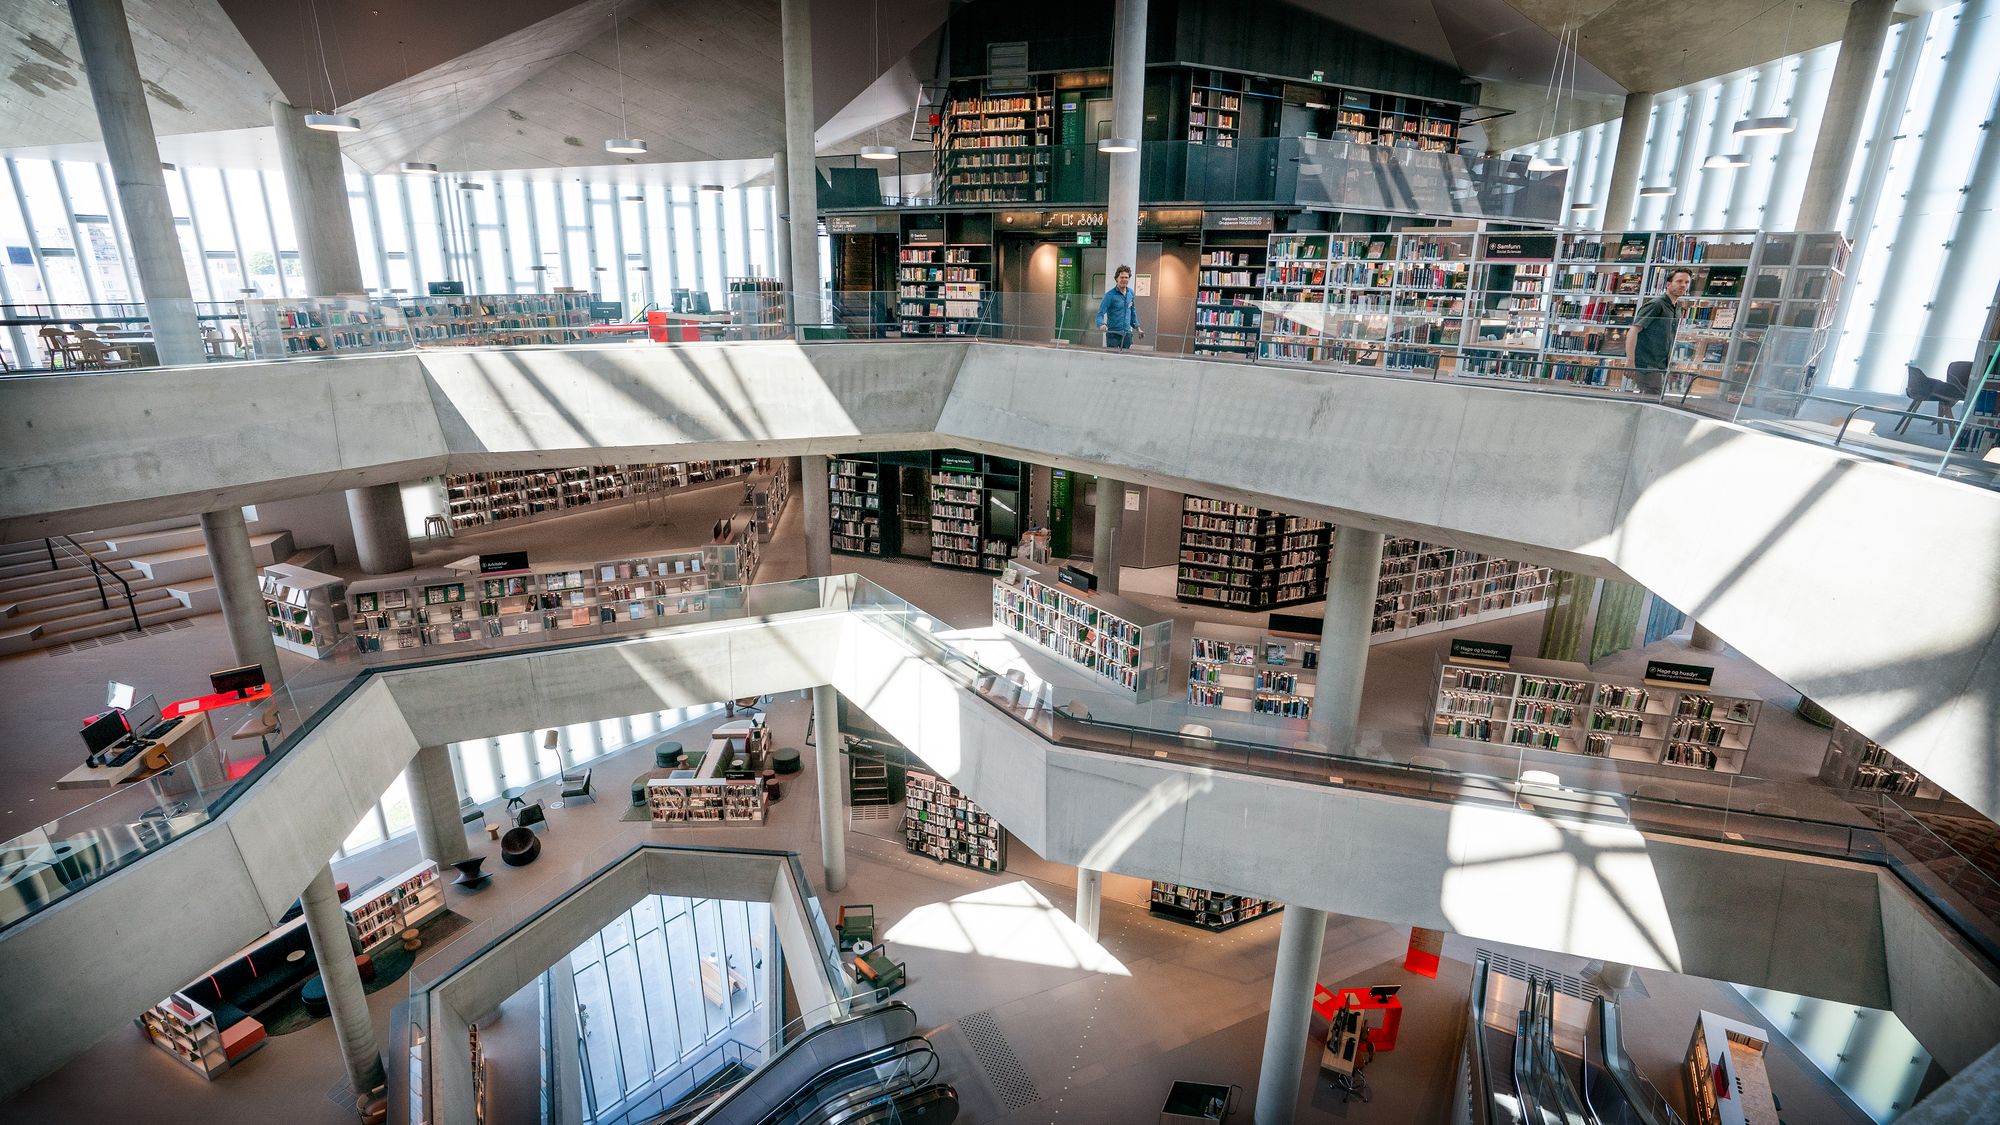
pixel 1521 247
pixel 1237 220
pixel 1678 675
pixel 1426 947
pixel 933 236
pixel 860 224
pixel 1489 652
pixel 958 462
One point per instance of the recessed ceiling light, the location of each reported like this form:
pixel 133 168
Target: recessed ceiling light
pixel 1654 191
pixel 1548 164
pixel 717 188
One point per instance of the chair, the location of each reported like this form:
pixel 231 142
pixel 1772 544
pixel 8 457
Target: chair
pixel 241 339
pixel 469 812
pixel 60 348
pixel 519 847
pixel 470 877
pixel 857 923
pixel 1921 388
pixel 261 727
pixel 97 354
pixel 576 785
pixel 530 815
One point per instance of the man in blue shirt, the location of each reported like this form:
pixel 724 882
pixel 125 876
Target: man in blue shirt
pixel 1118 312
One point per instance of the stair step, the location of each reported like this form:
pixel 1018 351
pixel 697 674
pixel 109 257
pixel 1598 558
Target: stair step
pixel 19 640
pixel 198 594
pixel 46 581
pixel 62 617
pixel 34 550
pixel 183 563
pixel 121 624
pixel 125 545
pixel 40 601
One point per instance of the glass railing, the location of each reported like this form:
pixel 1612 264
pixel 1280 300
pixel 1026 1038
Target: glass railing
pixel 66 338
pixel 78 848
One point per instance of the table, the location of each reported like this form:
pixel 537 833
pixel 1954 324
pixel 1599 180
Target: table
pixel 1380 1036
pixel 214 702
pixel 191 735
pixel 514 796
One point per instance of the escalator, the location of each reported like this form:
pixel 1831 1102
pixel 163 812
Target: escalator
pixel 1613 1088
pixel 869 1068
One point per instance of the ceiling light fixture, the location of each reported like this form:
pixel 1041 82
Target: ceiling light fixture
pixel 1769 125
pixel 1655 191
pixel 1117 144
pixel 1725 160
pixel 468 185
pixel 1580 205
pixel 1548 164
pixel 626 145
pixel 717 188
pixel 328 122
pixel 878 152
pixel 418 168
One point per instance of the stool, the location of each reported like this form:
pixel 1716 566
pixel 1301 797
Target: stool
pixel 437 527
pixel 493 832
pixel 341 890
pixel 773 793
pixel 365 965
pixel 313 997
pixel 412 939
pixel 638 798
pixel 665 755
pixel 786 760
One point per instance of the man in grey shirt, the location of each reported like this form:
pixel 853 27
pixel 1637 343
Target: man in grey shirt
pixel 1649 346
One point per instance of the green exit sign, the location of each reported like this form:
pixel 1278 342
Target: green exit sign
pixel 1084 238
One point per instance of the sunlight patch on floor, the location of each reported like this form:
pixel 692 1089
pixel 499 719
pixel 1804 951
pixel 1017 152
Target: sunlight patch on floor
pixel 1012 922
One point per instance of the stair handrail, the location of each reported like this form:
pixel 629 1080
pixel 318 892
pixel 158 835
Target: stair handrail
pixel 97 571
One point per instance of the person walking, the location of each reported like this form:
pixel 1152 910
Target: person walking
pixel 1118 312
pixel 1649 345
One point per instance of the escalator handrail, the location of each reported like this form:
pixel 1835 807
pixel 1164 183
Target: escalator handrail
pixel 893 1010
pixel 1480 1079
pixel 812 1088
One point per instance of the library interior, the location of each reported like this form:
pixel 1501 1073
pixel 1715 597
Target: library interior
pixel 894 561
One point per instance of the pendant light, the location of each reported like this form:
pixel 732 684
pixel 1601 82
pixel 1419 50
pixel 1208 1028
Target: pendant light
pixel 328 122
pixel 1725 160
pixel 626 145
pixel 1656 190
pixel 876 152
pixel 1552 103
pixel 1118 144
pixel 1771 125
pixel 418 168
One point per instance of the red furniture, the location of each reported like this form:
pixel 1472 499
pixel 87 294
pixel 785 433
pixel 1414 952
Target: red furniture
pixel 241 1038
pixel 1381 1035
pixel 202 703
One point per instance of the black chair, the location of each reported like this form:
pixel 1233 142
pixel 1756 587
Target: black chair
pixel 576 786
pixel 1947 393
pixel 531 814
pixel 519 847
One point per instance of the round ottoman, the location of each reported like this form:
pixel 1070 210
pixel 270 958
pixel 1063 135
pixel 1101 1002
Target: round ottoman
pixel 786 760
pixel 665 754
pixel 639 793
pixel 519 847
pixel 313 997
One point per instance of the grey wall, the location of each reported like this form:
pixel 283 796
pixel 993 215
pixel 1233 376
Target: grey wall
pixel 314 521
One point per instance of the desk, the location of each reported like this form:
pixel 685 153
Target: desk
pixel 214 702
pixel 183 740
pixel 1381 1036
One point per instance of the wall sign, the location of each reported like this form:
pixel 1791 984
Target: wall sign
pixel 1237 220
pixel 1077 579
pixel 503 563
pixel 932 236
pixel 1492 651
pixel 1679 675
pixel 958 462
pixel 1521 247
pixel 860 224
pixel 447 288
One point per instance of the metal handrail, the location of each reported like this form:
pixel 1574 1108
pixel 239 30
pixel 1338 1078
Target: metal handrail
pixel 97 571
pixel 1918 415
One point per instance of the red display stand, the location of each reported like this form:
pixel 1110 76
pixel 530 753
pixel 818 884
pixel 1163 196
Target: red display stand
pixel 202 703
pixel 1381 1035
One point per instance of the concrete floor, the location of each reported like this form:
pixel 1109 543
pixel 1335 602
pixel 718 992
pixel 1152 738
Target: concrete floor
pixel 1099 1043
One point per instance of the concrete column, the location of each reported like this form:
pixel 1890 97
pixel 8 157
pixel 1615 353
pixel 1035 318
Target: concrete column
pixel 381 536
pixel 1627 159
pixel 104 39
pixel 1352 574
pixel 801 173
pixel 826 768
pixel 1104 536
pixel 567 1042
pixel 1128 109
pixel 434 805
pixel 333 951
pixel 781 205
pixel 1089 900
pixel 1704 640
pixel 316 185
pixel 1299 946
pixel 819 515
pixel 228 541
pixel 1854 72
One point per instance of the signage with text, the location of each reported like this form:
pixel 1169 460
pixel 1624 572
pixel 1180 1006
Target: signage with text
pixel 1681 675
pixel 860 224
pixel 1237 220
pixel 1077 579
pixel 1492 651
pixel 447 288
pixel 1149 219
pixel 1521 247
pixel 503 563
pixel 932 237
pixel 958 462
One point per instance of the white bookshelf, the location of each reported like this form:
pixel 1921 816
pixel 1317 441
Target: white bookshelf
pixel 705 800
pixel 1107 637
pixel 485 319
pixel 187 1031
pixel 943 823
pixel 1854 761
pixel 479 499
pixel 304 609
pixel 1211 910
pixel 302 327
pixel 408 899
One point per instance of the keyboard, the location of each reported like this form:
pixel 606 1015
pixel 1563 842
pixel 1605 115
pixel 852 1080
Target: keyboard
pixel 159 731
pixel 126 754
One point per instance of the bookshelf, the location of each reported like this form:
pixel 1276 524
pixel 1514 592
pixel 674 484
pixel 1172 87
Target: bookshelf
pixel 489 319
pixel 733 560
pixel 1362 117
pixel 854 493
pixel 958 519
pixel 1527 306
pixel 443 607
pixel 304 609
pixel 705 800
pixel 187 1031
pixel 1215 109
pixel 1230 278
pixel 1561 707
pixel 768 504
pixel 1243 557
pixel 1268 675
pixel 1211 910
pixel 756 308
pixel 1425 587
pixel 943 823
pixel 1721 1049
pixel 396 904
pixel 995 148
pixel 296 327
pixel 481 499
pixel 1106 636
pixel 1853 761
pixel 941 290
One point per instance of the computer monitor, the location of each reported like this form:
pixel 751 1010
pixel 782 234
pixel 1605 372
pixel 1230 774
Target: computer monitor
pixel 1383 993
pixel 241 681
pixel 100 733
pixel 143 715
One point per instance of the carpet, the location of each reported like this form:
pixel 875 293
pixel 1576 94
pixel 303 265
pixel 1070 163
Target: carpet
pixel 635 814
pixel 391 964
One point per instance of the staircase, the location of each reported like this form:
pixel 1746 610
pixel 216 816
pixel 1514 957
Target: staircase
pixel 44 606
